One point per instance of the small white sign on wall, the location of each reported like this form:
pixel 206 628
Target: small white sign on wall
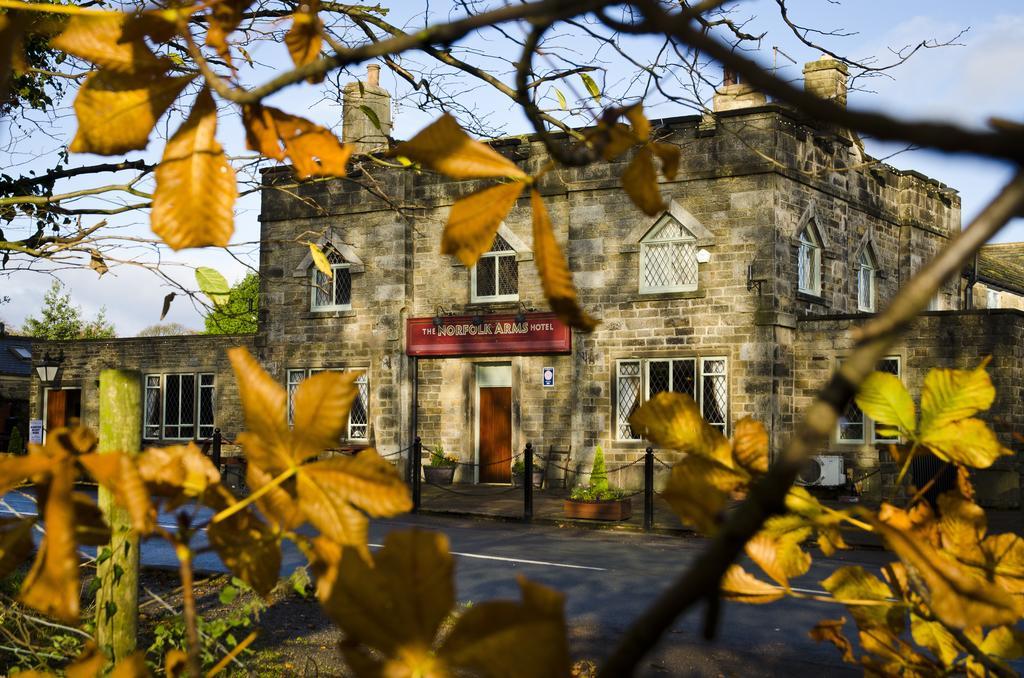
pixel 548 376
pixel 35 431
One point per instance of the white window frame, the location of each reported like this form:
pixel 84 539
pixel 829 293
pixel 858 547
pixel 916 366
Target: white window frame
pixel 496 255
pixel 156 382
pixel 810 246
pixel 935 303
pixel 867 274
pixel 868 429
pixel 992 298
pixel 643 393
pixel 653 240
pixel 333 281
pixel 354 433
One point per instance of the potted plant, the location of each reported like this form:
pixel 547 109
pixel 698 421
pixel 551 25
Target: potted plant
pixel 441 470
pixel 597 500
pixel 519 470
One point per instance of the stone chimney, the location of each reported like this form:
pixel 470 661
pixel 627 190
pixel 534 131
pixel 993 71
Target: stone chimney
pixel 826 78
pixel 357 127
pixel 733 94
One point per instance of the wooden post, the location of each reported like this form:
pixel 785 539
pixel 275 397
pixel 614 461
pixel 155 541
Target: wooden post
pixel 117 600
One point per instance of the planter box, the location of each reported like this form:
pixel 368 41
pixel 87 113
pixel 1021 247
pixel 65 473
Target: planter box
pixel 439 475
pixel 612 509
pixel 538 478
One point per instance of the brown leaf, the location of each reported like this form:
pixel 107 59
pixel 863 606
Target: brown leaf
pixel 88 664
pixel 249 549
pixel 957 598
pixel 15 543
pixel 555 277
pixel 167 305
pixel 962 525
pixel 101 40
pixel 778 552
pixel 97 263
pixel 117 111
pixel 669 156
pixel 224 18
pixel 177 472
pixel 641 183
pixel 673 420
pixel 132 666
pixel 263 402
pixel 638 122
pixel 743 587
pixel 90 527
pixel 193 204
pixel 750 445
pixel 445 148
pixel 279 505
pixel 14 470
pixel 698 491
pixel 321 406
pixel 314 150
pixel 831 631
pixel 52 584
pixel 305 37
pixel 118 473
pixel 12 50
pixel 488 634
pixel 475 219
pixel 261 131
pixel 613 139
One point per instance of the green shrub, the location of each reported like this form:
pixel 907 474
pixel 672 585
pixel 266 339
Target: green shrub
pixel 599 474
pixel 16 444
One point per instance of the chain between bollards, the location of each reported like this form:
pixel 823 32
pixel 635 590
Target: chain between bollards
pixel 215 452
pixel 649 490
pixel 417 463
pixel 528 484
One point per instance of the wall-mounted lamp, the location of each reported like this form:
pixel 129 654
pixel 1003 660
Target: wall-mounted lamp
pixel 753 282
pixel 51 368
pixel 439 313
pixel 478 320
pixel 521 315
pixel 703 256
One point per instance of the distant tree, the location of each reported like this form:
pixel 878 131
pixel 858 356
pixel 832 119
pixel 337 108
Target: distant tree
pixel 60 319
pixel 238 314
pixel 165 330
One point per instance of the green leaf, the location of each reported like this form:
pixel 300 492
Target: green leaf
pixel 591 86
pixel 213 284
pixel 228 595
pixel 372 115
pixel 884 398
pixel 561 99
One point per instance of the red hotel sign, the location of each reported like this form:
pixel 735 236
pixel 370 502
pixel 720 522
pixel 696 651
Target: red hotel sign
pixel 504 334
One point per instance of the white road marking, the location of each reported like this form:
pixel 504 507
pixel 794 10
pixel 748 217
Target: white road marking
pixel 811 591
pixel 32 513
pixel 517 560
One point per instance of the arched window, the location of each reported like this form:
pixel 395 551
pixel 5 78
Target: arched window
pixel 668 258
pixel 808 261
pixel 496 274
pixel 332 293
pixel 866 275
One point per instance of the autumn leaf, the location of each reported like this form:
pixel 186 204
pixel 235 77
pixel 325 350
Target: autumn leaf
pixel 474 220
pixel 320 260
pixel 669 155
pixel 261 131
pixel 777 551
pixel 951 395
pixel 591 86
pixel 935 638
pixel 884 398
pixel 14 470
pixel 444 147
pixel 831 631
pixel 801 503
pixel 249 549
pixel 750 445
pixel 224 18
pixel 1004 642
pixel 741 586
pixel 12 49
pixel 313 150
pixel 305 37
pixel 555 277
pixel 865 596
pixel 673 420
pixel 962 525
pixel 698 491
pixel 638 122
pixel 965 441
pixel 641 183
pixel 117 111
pixel 178 473
pixel 322 403
pixel 100 38
pixel 194 200
pixel 119 474
pixel 15 543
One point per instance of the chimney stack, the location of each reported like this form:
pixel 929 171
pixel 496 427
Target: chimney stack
pixel 826 78
pixel 358 127
pixel 733 94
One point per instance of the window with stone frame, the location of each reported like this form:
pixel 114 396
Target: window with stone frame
pixel 332 293
pixel 496 274
pixel 639 379
pixel 358 415
pixel 808 261
pixel 178 406
pixel 668 258
pixel 867 274
pixel 854 426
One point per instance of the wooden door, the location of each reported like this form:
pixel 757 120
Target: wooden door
pixel 62 405
pixel 495 434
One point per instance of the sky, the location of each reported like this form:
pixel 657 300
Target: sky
pixel 968 83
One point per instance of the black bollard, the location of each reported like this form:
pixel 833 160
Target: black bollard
pixel 649 490
pixel 417 463
pixel 528 484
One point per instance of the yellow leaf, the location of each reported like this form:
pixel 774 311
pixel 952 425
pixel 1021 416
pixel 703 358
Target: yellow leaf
pixel 475 219
pixel 279 505
pixel 934 637
pixel 1004 642
pixel 90 527
pixel 831 631
pixel 119 474
pixel 194 200
pixel 263 402
pixel 638 121
pixel 884 398
pixel 100 38
pixel 15 470
pixel 224 18
pixel 669 156
pixel 965 441
pixel 12 48
pixel 15 543
pixel 743 587
pixel 88 664
pixel 314 150
pixel 305 37
pixel 487 635
pixel 612 139
pixel 1003 562
pixel 320 260
pixel 673 420
pixel 950 395
pixel 116 111
pixel 962 525
pixel 641 183
pixel 779 553
pixel 956 597
pixel 856 587
pixel 132 666
pixel 800 502
pixel 750 445
pixel 177 472
pixel 698 491
pixel 444 147
pixel 261 131
pixel 321 407
pixel 555 277
pixel 891 656
pixel 249 549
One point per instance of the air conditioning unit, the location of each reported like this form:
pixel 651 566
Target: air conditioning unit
pixel 822 470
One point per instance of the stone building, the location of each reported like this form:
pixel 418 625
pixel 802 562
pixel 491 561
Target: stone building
pixel 15 384
pixel 778 237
